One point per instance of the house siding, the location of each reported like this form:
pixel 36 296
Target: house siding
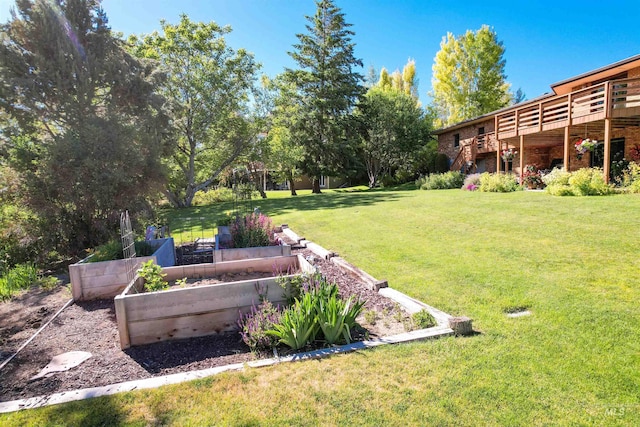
pixel 467 133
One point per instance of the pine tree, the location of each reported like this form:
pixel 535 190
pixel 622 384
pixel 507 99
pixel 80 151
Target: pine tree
pixel 90 126
pixel 327 90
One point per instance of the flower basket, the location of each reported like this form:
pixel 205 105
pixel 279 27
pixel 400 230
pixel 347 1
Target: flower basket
pixel 531 177
pixel 509 154
pixel 584 145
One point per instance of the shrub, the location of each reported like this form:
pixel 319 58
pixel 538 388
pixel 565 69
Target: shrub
pixel 631 178
pixel 471 182
pixel 112 250
pixel 423 319
pixel 252 231
pixel 583 182
pixel 298 325
pixel 441 181
pixel 153 276
pixel 255 324
pixel 498 183
pixel 557 176
pixel 589 182
pixel 221 194
pixel 22 276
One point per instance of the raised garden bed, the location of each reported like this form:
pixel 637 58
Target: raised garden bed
pixel 148 317
pixel 106 279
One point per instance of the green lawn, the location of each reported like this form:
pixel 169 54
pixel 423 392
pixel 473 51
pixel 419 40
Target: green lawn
pixel 576 361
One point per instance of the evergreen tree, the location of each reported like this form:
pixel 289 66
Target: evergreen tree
pixel 468 76
pixel 90 126
pixel 327 89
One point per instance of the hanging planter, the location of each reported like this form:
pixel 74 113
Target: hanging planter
pixel 509 154
pixel 584 145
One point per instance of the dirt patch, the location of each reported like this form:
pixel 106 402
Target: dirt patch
pixel 91 326
pixel 222 278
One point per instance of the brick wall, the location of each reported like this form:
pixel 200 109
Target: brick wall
pixel 467 133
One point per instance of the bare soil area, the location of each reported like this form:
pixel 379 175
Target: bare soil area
pixel 221 278
pixel 91 326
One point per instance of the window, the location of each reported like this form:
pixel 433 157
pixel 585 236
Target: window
pixel 323 181
pixel 456 140
pixel 481 130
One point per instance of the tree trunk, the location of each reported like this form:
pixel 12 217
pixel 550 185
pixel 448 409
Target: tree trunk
pixel 316 186
pixel 292 185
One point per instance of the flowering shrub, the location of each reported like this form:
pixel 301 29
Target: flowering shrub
pixel 471 182
pixel 584 145
pixel 531 177
pixel 203 198
pixel 255 324
pixel 498 183
pixel 557 176
pixel 252 231
pixel 508 154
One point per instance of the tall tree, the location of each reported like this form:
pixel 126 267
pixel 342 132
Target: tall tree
pixel 209 86
pixel 468 76
pixel 327 90
pixel 392 125
pixel 90 125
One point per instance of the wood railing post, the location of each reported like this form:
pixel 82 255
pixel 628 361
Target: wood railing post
pixel 607 99
pixel 521 158
pixel 566 149
pixel 607 149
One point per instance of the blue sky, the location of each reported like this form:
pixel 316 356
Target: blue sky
pixel 545 41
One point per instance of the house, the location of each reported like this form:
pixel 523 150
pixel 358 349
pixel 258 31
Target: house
pixel 602 105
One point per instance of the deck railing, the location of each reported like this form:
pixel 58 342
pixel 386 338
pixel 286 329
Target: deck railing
pixel 469 151
pixel 615 98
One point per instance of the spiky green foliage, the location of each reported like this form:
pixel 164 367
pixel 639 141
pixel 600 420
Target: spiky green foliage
pixel 327 87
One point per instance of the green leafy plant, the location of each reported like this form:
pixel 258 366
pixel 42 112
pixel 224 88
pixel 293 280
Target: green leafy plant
pixel 423 319
pixel 583 182
pixel 112 250
pixel 21 276
pixel 182 282
pixel 441 181
pixel 531 177
pixel 153 276
pixel 498 183
pixel 336 317
pixel 298 326
pixel 211 196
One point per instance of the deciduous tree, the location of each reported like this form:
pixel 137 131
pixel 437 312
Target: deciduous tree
pixel 209 86
pixel 468 76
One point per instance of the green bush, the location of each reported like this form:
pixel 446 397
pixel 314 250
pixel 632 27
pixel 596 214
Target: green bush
pixel 498 183
pixel 221 194
pixel 423 319
pixel 631 178
pixel 153 276
pixel 557 176
pixel 583 182
pixel 22 276
pixel 441 181
pixel 112 250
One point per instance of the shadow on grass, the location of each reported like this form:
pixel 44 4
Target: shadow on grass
pixel 205 217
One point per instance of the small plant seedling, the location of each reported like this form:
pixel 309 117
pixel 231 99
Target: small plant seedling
pixel 182 282
pixel 153 277
pixel 371 316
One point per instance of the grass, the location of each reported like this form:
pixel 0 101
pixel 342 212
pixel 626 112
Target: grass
pixel 571 261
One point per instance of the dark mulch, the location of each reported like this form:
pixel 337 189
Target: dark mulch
pixel 91 326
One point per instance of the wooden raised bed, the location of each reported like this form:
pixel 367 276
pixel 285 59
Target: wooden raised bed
pixel 234 254
pixel 147 317
pixel 106 279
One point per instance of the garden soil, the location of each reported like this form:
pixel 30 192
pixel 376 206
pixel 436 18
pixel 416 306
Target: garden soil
pixel 91 326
